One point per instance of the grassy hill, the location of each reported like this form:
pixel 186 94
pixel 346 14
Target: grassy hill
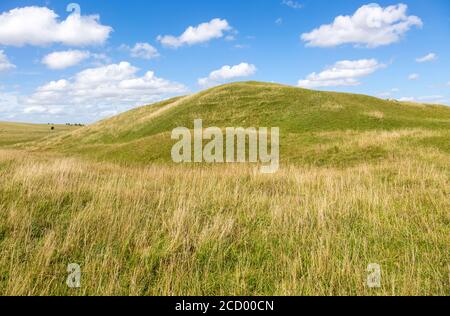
pixel 362 181
pixel 316 128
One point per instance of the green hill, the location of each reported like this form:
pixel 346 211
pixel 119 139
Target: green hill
pixel 316 127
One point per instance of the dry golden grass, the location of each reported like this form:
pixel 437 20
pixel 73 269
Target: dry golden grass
pixel 223 230
pixel 376 114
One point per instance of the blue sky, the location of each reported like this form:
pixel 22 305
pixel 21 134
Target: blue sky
pixel 115 55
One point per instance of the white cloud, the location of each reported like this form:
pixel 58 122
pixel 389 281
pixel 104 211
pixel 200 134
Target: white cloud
pixel 370 26
pixel 384 94
pixel 5 64
pixel 413 77
pixel 227 73
pixel 230 38
pixel 292 4
pixel 143 50
pixel 41 26
pixel 389 93
pixel 8 104
pixel 65 59
pixel 106 89
pixel 432 99
pixel 202 33
pixel 241 46
pixel 34 109
pixel 407 99
pixel 342 73
pixel 100 59
pixel 427 58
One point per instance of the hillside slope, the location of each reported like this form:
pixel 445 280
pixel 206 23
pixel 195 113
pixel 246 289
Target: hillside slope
pixel 316 127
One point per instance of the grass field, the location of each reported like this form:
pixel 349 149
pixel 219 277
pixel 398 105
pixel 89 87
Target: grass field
pixel 16 133
pixel 362 181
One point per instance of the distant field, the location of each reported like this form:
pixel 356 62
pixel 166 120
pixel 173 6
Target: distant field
pixel 15 133
pixel 362 181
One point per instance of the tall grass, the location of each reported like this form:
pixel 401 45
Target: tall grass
pixel 224 230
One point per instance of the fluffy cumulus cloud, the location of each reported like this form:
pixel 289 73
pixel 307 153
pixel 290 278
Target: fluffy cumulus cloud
pixel 371 26
pixel 427 58
pixel 227 73
pixel 342 73
pixel 5 64
pixel 413 77
pixel 142 50
pixel 216 28
pixel 41 26
pixel 64 59
pixel 96 92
